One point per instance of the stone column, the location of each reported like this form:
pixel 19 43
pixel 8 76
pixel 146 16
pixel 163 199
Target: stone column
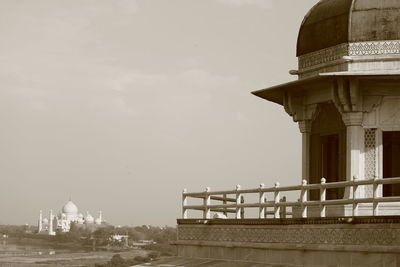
pixel 305 129
pixel 354 147
pixel 51 232
pixel 40 225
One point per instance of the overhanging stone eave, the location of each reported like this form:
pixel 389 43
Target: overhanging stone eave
pixel 277 93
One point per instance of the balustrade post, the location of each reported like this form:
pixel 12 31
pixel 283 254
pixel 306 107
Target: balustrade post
pixel 322 198
pixel 355 194
pixel 242 209
pixel 238 200
pixel 207 203
pixel 225 202
pixel 303 199
pixel 282 212
pixel 262 201
pixel 375 194
pixel 184 204
pixel 277 208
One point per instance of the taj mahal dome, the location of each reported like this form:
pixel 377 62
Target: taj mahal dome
pixel 62 221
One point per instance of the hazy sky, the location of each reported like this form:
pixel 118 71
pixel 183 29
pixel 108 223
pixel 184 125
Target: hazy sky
pixel 121 104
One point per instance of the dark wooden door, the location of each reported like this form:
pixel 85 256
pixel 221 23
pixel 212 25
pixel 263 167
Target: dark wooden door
pixel 330 163
pixel 326 162
pixel 391 161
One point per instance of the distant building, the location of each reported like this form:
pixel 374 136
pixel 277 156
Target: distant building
pixel 62 222
pixel 119 238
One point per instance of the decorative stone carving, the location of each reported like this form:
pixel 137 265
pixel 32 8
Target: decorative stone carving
pixel 294 106
pixel 323 56
pixel 336 53
pixel 305 126
pixel 346 95
pixel 352 118
pixel 374 48
pixel 298 110
pixel 324 235
pixel 370 158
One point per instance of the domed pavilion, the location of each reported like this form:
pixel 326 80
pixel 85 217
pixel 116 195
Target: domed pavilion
pixel 346 102
pixel 347 97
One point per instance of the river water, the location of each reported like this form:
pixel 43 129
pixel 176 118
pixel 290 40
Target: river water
pixel 13 247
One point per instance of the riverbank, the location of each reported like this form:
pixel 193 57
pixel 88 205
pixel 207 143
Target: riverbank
pixel 68 258
pixel 21 252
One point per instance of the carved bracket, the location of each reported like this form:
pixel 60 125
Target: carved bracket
pixel 371 103
pixel 305 126
pixel 296 107
pixel 311 112
pixel 346 95
pixel 293 106
pixel 352 118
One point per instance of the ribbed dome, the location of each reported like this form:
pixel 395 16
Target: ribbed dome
pixel 333 22
pixel 70 208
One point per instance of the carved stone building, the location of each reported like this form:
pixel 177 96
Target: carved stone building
pixel 347 98
pixel 347 104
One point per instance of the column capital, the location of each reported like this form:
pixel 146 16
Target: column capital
pixel 352 118
pixel 305 126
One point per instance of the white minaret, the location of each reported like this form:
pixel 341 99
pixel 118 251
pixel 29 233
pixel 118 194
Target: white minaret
pixel 100 217
pixel 51 232
pixel 40 225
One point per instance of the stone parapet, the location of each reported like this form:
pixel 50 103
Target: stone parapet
pixel 345 241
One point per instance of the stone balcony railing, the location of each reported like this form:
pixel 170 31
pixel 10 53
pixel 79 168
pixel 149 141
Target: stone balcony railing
pixel 232 201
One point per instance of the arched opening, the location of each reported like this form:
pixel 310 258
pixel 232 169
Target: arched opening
pixel 328 150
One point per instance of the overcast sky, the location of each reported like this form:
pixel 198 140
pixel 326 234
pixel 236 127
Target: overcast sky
pixel 121 104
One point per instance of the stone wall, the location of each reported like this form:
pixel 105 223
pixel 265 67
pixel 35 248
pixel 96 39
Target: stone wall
pixel 298 242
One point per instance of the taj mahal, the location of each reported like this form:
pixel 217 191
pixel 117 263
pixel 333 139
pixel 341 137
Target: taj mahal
pixel 62 222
